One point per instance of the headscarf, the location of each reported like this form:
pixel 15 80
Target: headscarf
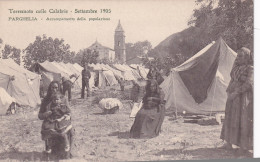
pixel 148 87
pixel 237 69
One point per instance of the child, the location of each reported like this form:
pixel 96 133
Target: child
pixel 58 123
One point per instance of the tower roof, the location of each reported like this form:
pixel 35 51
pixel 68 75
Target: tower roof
pixel 119 27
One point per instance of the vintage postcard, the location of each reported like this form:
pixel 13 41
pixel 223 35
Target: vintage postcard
pixel 129 80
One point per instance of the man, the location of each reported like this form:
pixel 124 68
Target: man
pixel 122 84
pixel 85 81
pixel 67 85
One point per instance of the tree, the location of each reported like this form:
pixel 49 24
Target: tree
pixel 11 52
pixel 231 19
pixel 86 56
pixel 165 63
pixel 138 49
pixel 1 44
pixel 50 49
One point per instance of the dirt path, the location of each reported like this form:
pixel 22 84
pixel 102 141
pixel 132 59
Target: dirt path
pixel 106 137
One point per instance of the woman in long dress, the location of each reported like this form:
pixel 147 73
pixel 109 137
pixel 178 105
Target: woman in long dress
pixel 57 150
pixel 149 119
pixel 238 124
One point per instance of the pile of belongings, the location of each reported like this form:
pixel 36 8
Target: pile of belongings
pixel 110 105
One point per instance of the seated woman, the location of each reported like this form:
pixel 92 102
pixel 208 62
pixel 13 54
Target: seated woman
pixel 58 121
pixel 149 119
pixel 57 142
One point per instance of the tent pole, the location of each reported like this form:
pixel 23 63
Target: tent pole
pixel 176 112
pixel 213 96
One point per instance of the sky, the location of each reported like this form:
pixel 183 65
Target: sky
pixel 152 20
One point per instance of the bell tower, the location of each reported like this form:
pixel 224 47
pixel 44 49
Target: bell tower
pixel 119 44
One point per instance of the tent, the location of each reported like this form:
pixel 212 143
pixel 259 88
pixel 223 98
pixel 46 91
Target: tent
pixel 48 72
pixel 66 71
pixel 199 84
pixel 105 76
pixel 142 71
pixel 20 83
pixel 55 70
pixel 5 101
pixel 127 74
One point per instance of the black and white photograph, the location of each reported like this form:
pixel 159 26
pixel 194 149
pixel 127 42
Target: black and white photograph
pixel 108 81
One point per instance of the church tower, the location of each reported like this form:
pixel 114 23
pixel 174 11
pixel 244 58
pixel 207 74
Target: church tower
pixel 119 44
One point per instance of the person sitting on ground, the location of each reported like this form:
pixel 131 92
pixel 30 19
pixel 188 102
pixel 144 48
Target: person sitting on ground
pixel 135 91
pixel 58 120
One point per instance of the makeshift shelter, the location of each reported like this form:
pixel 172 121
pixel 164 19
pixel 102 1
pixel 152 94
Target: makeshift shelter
pixel 48 72
pixel 68 72
pixel 199 84
pixel 20 83
pixel 105 76
pixel 5 101
pixel 127 74
pixel 142 71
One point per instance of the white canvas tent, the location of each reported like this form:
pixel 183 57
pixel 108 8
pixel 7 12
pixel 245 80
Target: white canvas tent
pixel 5 101
pixel 20 83
pixel 127 74
pixel 106 77
pixel 178 95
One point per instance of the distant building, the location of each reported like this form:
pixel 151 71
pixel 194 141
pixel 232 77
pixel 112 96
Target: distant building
pixel 118 54
pixel 103 51
pixel 119 44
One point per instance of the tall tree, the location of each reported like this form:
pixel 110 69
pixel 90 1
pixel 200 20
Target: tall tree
pixel 138 49
pixel 11 52
pixel 46 48
pixel 231 19
pixel 86 56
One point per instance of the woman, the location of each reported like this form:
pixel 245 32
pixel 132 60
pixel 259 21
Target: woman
pixel 135 91
pixel 149 119
pixel 56 141
pixel 238 125
pixel 155 74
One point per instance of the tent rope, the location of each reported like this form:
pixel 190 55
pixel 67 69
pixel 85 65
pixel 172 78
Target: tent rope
pixel 213 97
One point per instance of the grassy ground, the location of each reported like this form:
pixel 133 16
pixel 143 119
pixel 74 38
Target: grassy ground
pixel 102 137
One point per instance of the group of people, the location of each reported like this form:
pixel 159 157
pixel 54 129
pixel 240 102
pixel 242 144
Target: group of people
pixel 237 127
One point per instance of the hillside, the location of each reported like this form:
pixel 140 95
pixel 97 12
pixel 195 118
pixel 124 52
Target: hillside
pixel 187 42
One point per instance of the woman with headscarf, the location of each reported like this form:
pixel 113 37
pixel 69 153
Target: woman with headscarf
pixel 149 119
pixel 238 124
pixel 155 74
pixel 56 141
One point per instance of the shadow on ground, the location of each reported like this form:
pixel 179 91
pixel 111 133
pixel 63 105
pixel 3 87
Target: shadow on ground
pixel 205 153
pixel 120 135
pixel 22 156
pixel 28 156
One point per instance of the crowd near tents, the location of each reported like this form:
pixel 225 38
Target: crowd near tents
pixel 196 86
pixel 23 86
pixel 199 84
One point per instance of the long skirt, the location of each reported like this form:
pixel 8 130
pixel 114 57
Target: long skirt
pixel 147 123
pixel 238 124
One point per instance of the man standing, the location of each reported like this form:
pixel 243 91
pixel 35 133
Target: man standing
pixel 66 86
pixel 85 81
